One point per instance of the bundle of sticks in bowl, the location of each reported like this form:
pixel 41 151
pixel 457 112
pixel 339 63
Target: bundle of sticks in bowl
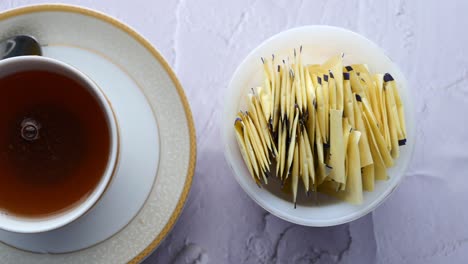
pixel 335 128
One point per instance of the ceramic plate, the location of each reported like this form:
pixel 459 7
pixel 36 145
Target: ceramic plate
pixel 154 177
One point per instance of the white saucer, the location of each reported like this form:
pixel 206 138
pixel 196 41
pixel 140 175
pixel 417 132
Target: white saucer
pixel 142 89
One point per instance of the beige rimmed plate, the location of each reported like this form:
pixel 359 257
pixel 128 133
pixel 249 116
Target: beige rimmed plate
pixel 78 36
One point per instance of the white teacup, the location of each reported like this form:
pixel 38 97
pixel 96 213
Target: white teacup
pixel 36 225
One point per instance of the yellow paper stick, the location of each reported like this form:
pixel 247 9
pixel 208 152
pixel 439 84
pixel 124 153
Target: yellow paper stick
pixel 368 178
pixel 254 115
pixel 320 156
pixel 277 98
pixel 321 109
pixel 348 100
pixel 364 149
pixel 295 173
pixel 304 168
pixel 242 147
pixel 292 143
pixel 337 147
pixel 335 65
pixel 250 151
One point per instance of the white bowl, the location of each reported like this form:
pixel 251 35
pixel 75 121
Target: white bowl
pixel 319 43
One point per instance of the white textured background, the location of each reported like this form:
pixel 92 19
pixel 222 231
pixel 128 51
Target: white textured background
pixel 424 221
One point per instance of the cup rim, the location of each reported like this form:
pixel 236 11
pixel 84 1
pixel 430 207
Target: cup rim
pixel 18 224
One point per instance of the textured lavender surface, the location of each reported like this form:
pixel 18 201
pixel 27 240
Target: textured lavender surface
pixel 424 221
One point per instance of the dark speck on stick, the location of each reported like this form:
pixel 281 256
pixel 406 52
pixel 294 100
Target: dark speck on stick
pixel 387 77
pixel 346 75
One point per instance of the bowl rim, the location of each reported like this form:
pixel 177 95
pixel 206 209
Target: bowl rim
pixel 299 220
